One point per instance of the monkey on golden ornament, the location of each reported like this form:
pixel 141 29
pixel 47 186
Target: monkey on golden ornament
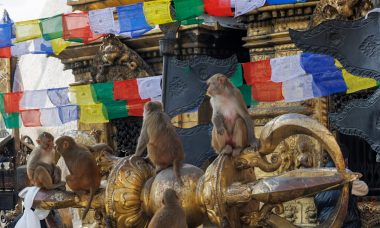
pixel 160 138
pixel 171 214
pixel 41 169
pixel 84 173
pixel 233 127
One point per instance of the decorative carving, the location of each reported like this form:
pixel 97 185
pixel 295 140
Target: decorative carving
pixel 369 213
pixel 290 213
pixel 359 118
pixel 341 9
pixel 115 61
pixel 311 214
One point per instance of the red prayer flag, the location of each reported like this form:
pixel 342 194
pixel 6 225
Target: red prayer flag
pixel 31 118
pixel 267 91
pixel 76 26
pixel 5 52
pixel 218 7
pixel 258 71
pixel 12 102
pixel 136 107
pixel 126 90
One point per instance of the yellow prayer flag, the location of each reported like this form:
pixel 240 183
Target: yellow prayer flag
pixel 157 12
pixel 355 83
pixel 81 95
pixel 28 30
pixel 93 114
pixel 59 45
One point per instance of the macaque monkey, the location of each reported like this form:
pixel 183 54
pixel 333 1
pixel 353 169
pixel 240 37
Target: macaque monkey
pixel 41 169
pixel 158 135
pixel 171 214
pixel 84 173
pixel 233 127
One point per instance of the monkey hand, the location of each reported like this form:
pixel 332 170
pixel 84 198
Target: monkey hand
pixel 220 130
pixel 255 144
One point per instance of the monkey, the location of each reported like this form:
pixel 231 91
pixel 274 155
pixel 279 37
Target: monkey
pixel 84 173
pixel 41 169
pixel 171 213
pixel 233 127
pixel 160 138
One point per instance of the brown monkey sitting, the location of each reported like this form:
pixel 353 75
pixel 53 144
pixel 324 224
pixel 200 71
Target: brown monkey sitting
pixel 84 173
pixel 233 127
pixel 171 214
pixel 41 170
pixel 160 138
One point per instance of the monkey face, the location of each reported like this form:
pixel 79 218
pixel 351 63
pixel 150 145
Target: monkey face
pixel 46 143
pixel 216 84
pixel 63 143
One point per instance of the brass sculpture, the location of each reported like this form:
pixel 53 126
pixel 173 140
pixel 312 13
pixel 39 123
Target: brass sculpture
pixel 227 191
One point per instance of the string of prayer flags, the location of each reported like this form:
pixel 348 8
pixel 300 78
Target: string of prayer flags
pixel 59 96
pixel 187 9
pixel 11 120
pixel 126 90
pixel 136 107
pixel 157 12
pixel 258 71
pixel 218 7
pixel 131 18
pixel 94 113
pixel 32 99
pixel 149 87
pixel 77 26
pixel 246 91
pixel 58 45
pixel 51 27
pixel 81 95
pixel 12 102
pixel 286 68
pixel 31 118
pixel 327 83
pixel 102 21
pixel 27 30
pixel 68 113
pixel 5 52
pixel 5 35
pixel 36 46
pixel 245 6
pixel 103 92
pixel 316 63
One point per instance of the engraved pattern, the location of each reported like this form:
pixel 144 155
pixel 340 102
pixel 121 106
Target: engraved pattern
pixel 178 86
pixel 370 46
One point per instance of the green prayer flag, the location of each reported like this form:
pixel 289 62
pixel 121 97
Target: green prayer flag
pixel 237 77
pixel 103 92
pixel 116 109
pixel 11 120
pixel 186 9
pixel 247 94
pixel 51 27
pixel 2 109
pixel 192 21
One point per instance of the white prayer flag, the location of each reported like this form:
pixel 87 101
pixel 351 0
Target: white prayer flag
pixel 50 117
pixel 19 49
pixel 245 6
pixel 149 87
pixel 286 68
pixel 298 89
pixel 32 99
pixel 102 21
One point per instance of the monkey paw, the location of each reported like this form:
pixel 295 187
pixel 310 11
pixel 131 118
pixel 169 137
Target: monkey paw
pixel 220 131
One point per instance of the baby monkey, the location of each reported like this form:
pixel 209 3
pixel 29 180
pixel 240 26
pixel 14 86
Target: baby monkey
pixel 233 127
pixel 160 138
pixel 171 214
pixel 41 170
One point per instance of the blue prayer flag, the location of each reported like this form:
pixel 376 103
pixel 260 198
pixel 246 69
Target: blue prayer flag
pixel 68 113
pixel 131 18
pixel 59 96
pixel 316 63
pixel 5 35
pixel 281 2
pixel 327 83
pixel 42 46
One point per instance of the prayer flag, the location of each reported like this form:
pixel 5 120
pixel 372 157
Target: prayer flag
pixel 59 45
pixel 286 68
pixel 258 71
pixel 187 9
pixel 218 7
pixel 59 96
pixel 102 21
pixel 126 90
pixel 68 113
pixel 246 91
pixel 27 30
pixel 267 91
pixel 41 46
pixel 19 49
pixel 327 83
pixel 103 92
pixel 157 12
pixel 131 18
pixel 12 102
pixel 316 63
pixel 136 107
pixel 33 99
pixel 237 78
pixel 149 87
pixel 245 6
pixel 117 109
pixel 5 52
pixel 298 89
pixel 81 95
pixel 5 35
pixel 51 27
pixel 50 117
pixel 11 120
pixel 31 118
pixel 76 25
pixel 94 113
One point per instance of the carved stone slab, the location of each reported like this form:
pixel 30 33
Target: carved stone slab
pixel 356 44
pixel 197 144
pixel 361 118
pixel 186 81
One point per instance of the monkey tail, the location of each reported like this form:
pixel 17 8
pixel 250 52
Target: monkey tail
pixel 177 165
pixel 92 192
